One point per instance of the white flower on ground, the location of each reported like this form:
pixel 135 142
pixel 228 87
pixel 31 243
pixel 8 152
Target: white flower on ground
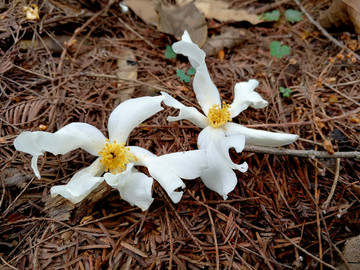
pixel 114 158
pixel 219 134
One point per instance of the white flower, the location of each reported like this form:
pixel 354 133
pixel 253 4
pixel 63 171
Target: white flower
pixel 114 159
pixel 219 134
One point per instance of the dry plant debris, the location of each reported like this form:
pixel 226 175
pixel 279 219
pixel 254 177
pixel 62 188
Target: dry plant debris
pixel 272 220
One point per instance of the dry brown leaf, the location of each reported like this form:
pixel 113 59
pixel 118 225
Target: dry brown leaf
pixel 340 13
pixel 351 253
pixel 127 70
pixel 229 38
pixel 221 11
pixel 328 147
pixel 175 20
pixel 144 9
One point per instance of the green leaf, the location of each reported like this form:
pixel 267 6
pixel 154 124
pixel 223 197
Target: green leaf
pixel 293 15
pixel 278 50
pixel 182 76
pixel 191 71
pixel 285 91
pixel 169 54
pixel 271 16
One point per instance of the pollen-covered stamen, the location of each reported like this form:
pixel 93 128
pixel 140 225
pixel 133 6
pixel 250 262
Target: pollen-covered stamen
pixel 115 156
pixel 219 116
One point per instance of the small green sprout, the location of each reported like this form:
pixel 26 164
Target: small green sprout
pixel 169 54
pixel 278 50
pixel 191 71
pixel 285 91
pixel 293 15
pixel 271 16
pixel 182 76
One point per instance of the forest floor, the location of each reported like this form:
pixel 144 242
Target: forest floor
pixel 286 212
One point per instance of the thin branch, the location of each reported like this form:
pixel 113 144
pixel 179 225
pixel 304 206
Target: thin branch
pixel 299 153
pixel 79 30
pixel 292 242
pixel 325 205
pixel 324 32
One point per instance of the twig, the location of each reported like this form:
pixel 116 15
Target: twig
pixel 299 153
pixel 336 90
pixel 170 239
pixel 251 241
pixel 7 264
pixel 292 242
pixel 333 187
pixel 214 234
pixel 77 31
pixel 324 32
pixel 137 34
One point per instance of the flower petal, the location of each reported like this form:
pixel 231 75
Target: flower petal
pixel 187 113
pixel 237 142
pixel 187 165
pixel 245 96
pixel 217 137
pixel 81 184
pixel 206 92
pixel 68 138
pixel 134 187
pixel 219 175
pixel 130 114
pixel 260 137
pixel 169 169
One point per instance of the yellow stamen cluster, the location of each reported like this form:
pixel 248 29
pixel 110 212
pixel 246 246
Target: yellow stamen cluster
pixel 219 116
pixel 115 156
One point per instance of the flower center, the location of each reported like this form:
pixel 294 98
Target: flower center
pixel 115 156
pixel 219 116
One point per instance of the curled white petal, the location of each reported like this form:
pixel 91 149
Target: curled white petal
pixel 134 187
pixel 206 92
pixel 81 184
pixel 169 169
pixel 186 165
pixel 187 113
pixel 246 96
pixel 219 175
pixel 166 178
pixel 260 137
pixel 130 114
pixel 68 138
pixel 141 154
pixel 237 142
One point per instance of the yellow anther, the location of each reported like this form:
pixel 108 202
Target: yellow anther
pixel 219 116
pixel 115 156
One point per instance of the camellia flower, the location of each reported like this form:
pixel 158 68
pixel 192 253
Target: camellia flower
pixel 219 134
pixel 115 162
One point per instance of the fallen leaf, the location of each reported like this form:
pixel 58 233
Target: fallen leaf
pixel 229 38
pixel 328 147
pixel 342 13
pixel 175 20
pixel 144 9
pixel 127 70
pixel 221 11
pixel 351 253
